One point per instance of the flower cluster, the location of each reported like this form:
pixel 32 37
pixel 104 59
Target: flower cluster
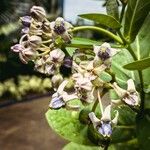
pixel 38 38
pixel 76 77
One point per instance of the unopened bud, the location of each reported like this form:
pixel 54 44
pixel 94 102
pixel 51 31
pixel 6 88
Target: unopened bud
pixel 26 21
pixel 35 41
pixel 38 13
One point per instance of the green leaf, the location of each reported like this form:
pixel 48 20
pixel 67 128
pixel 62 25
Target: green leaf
pixel 106 77
pixel 66 124
pixel 141 47
pixel 122 75
pixel 102 19
pixel 112 8
pixel 74 146
pixel 138 65
pixel 84 41
pixel 136 13
pixel 143 134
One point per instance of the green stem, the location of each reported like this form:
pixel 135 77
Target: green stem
pixel 95 105
pixel 100 30
pixel 106 147
pixel 125 127
pixel 142 96
pixel 122 12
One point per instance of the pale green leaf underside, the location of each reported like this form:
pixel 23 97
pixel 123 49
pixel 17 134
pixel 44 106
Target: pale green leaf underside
pixel 66 124
pixel 102 19
pixel 138 65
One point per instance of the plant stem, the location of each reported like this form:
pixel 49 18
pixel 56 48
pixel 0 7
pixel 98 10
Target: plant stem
pixel 94 106
pixel 142 96
pixel 122 12
pixel 100 30
pixel 106 147
pixel 126 127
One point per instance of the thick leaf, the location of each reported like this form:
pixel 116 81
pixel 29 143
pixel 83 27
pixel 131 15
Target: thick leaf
pixel 66 124
pixel 122 75
pixel 112 8
pixel 84 41
pixel 141 46
pixel 136 13
pixel 77 42
pixel 102 19
pixel 74 146
pixel 138 65
pixel 143 134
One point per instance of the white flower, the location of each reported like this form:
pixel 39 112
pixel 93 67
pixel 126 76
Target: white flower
pixel 105 124
pixel 61 98
pixel 61 28
pixel 103 54
pixel 82 82
pixel 57 55
pixel 129 96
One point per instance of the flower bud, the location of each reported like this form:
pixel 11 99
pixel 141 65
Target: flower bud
pixel 25 30
pixel 57 55
pixel 26 21
pixel 34 41
pixel 17 48
pixel 26 55
pixel 56 80
pixel 38 13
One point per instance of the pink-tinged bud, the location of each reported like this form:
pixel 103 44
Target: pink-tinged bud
pixel 26 20
pixel 38 13
pixel 34 41
pixel 17 48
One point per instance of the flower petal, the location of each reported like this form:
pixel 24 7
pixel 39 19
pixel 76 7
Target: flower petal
pixel 115 120
pixel 94 119
pixel 107 115
pixel 131 85
pixel 121 92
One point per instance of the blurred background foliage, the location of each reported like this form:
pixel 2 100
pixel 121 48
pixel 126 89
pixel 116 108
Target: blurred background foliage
pixel 17 79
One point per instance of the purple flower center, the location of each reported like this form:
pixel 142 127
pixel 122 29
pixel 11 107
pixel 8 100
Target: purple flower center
pixel 105 129
pixel 57 103
pixel 26 21
pixel 60 29
pixel 68 62
pixel 104 55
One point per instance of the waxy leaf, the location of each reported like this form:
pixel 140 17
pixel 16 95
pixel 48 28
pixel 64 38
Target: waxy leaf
pixel 137 10
pixel 74 146
pixel 139 64
pixel 141 46
pixel 66 124
pixel 122 75
pixel 102 19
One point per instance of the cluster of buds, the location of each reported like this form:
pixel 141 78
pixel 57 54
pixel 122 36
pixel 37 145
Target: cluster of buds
pixel 84 82
pixel 39 36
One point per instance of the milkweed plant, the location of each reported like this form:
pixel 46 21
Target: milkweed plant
pixel 101 97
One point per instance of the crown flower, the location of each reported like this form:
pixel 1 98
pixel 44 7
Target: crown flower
pixel 129 96
pixel 104 125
